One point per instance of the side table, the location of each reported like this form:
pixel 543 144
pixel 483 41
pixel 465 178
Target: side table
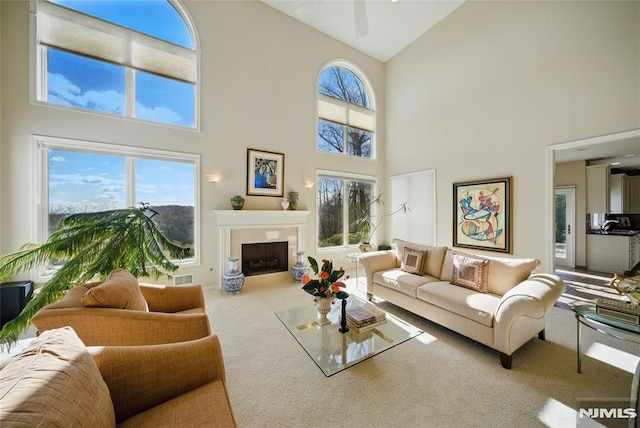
pixel 355 258
pixel 586 315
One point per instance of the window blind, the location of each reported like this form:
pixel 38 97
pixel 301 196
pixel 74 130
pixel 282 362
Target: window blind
pixel 343 112
pixel 66 29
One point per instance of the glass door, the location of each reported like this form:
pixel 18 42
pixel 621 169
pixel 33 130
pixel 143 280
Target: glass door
pixel 565 227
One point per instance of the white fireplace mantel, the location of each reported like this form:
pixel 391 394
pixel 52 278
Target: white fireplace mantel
pixel 256 219
pixel 261 218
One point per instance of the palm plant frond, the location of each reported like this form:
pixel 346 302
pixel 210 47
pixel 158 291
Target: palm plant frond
pixel 91 245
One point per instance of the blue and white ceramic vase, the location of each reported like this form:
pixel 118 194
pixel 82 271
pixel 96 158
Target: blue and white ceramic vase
pixel 233 279
pixel 299 269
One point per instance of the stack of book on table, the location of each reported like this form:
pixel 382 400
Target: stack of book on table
pixel 363 318
pixel 618 310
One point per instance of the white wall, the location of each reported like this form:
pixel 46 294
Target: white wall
pixel 484 92
pixel 259 74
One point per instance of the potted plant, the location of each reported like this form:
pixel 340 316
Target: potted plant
pixel 367 226
pixel 90 246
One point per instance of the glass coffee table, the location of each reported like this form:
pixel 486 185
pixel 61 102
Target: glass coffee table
pixel 586 315
pixel 333 351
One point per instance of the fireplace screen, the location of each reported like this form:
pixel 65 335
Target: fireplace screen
pixel 265 257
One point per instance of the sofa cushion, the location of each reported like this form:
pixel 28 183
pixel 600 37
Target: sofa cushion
pixel 504 272
pixel 204 406
pixel 478 307
pixel 470 272
pixel 54 382
pixel 413 261
pixel 120 291
pixel 399 280
pixel 433 259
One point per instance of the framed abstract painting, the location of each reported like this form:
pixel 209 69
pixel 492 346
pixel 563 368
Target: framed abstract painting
pixel 482 214
pixel 265 173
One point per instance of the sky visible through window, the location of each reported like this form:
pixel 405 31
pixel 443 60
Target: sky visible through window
pixel 82 82
pixel 86 182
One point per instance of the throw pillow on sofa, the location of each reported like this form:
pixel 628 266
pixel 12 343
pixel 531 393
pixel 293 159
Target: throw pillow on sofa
pixel 54 382
pixel 413 261
pixel 434 256
pixel 120 291
pixel 470 272
pixel 504 273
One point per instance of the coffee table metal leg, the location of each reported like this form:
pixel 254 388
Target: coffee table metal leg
pixel 579 344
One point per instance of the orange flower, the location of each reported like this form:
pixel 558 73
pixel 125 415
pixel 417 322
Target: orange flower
pixel 324 275
pixel 305 279
pixel 335 287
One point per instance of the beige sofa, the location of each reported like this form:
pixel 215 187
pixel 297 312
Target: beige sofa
pixel 58 382
pixel 506 314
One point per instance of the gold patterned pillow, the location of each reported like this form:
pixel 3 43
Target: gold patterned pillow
pixel 120 291
pixel 54 382
pixel 470 272
pixel 413 261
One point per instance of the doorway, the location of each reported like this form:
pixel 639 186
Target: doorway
pixel 565 220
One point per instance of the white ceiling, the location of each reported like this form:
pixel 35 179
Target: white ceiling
pixel 609 150
pixel 391 26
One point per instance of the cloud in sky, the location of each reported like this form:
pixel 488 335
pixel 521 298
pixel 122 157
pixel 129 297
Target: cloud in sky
pixel 64 92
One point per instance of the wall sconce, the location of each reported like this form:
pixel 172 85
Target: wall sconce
pixel 214 178
pixel 307 184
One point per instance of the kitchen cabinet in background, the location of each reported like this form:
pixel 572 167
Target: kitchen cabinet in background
pixel 619 194
pixel 634 194
pixel 597 183
pixel 611 253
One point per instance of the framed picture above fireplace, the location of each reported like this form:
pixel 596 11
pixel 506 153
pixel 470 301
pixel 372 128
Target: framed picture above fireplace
pixel 265 173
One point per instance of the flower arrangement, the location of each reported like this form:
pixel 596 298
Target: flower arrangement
pixel 327 286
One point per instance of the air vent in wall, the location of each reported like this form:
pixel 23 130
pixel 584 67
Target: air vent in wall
pixel 183 279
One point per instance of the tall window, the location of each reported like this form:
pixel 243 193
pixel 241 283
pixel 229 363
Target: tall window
pixel 78 177
pixel 125 58
pixel 346 114
pixel 342 200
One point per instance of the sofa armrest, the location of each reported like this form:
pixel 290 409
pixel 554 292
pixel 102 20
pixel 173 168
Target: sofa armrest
pixel 531 298
pixel 114 327
pixel 170 298
pixel 376 261
pixel 141 377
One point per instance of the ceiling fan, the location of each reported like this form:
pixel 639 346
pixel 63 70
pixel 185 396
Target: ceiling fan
pixel 361 20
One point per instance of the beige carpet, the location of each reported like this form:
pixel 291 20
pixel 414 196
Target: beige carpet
pixel 438 379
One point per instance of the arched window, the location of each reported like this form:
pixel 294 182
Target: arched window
pixel 346 112
pixel 130 59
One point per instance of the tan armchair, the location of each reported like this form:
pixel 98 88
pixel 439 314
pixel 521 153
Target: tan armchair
pixel 175 314
pixel 57 381
pixel 177 384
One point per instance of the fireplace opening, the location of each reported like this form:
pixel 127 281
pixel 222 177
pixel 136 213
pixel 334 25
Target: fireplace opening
pixel 265 257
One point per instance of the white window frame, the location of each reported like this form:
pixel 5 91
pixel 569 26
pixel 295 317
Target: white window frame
pixel 351 113
pixel 345 176
pixel 38 68
pixel 41 146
